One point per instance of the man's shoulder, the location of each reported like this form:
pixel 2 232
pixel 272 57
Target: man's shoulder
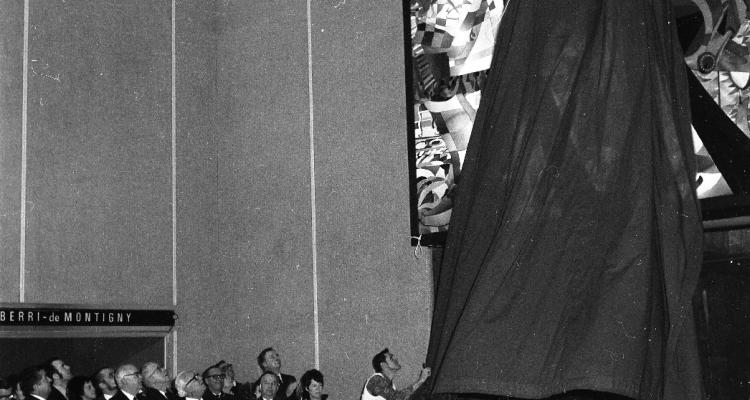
pixel 222 396
pixel 151 393
pixel 378 378
pixel 377 384
pixel 243 391
pixel 55 394
pixel 118 396
pixel 207 395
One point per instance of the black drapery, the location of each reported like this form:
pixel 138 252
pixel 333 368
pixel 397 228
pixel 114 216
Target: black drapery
pixel 575 242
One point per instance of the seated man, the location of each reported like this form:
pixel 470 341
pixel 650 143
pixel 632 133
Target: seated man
pixel 105 385
pixel 129 381
pixel 380 385
pixel 213 377
pixel 268 386
pixel 35 384
pixel 156 382
pixel 242 391
pixel 60 373
pixel 189 385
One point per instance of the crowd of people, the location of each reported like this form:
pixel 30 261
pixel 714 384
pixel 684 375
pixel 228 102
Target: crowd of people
pixel 54 380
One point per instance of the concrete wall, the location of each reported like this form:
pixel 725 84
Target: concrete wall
pixel 291 193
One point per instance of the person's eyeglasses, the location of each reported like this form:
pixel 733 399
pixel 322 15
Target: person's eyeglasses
pixel 154 371
pixel 195 377
pixel 136 374
pixel 217 376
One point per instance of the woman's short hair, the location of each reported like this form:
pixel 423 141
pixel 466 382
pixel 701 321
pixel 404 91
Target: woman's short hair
pixel 309 376
pixel 306 379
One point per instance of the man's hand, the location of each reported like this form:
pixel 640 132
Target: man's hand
pixel 290 389
pixel 426 372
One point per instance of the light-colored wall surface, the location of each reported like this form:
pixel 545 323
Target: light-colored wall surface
pixel 11 103
pixel 291 194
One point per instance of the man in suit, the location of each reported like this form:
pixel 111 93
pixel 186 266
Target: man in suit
pixel 156 382
pixel 35 384
pixel 105 384
pixel 241 391
pixel 60 374
pixel 269 360
pixel 213 377
pixel 129 381
pixel 268 386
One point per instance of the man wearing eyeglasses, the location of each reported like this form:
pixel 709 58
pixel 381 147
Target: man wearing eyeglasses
pixel 213 377
pixel 241 391
pixel 128 379
pixel 156 382
pixel 189 385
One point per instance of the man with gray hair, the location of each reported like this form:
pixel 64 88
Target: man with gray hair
pixel 155 382
pixel 128 379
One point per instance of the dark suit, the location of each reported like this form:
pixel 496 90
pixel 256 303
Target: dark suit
pixel 207 395
pixel 243 391
pixel 120 396
pixel 55 394
pixel 286 380
pixel 153 394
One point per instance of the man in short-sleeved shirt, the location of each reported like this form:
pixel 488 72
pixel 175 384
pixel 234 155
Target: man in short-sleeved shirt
pixel 380 385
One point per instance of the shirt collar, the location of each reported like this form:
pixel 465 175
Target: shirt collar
pixel 128 395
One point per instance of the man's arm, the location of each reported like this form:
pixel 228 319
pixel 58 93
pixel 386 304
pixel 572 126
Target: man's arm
pixel 380 386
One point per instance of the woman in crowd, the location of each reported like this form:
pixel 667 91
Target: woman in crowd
pixel 81 388
pixel 189 385
pixel 311 386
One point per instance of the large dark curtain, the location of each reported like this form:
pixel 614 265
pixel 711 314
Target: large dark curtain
pixel 575 243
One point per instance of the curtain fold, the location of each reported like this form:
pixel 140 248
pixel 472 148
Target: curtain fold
pixel 575 242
